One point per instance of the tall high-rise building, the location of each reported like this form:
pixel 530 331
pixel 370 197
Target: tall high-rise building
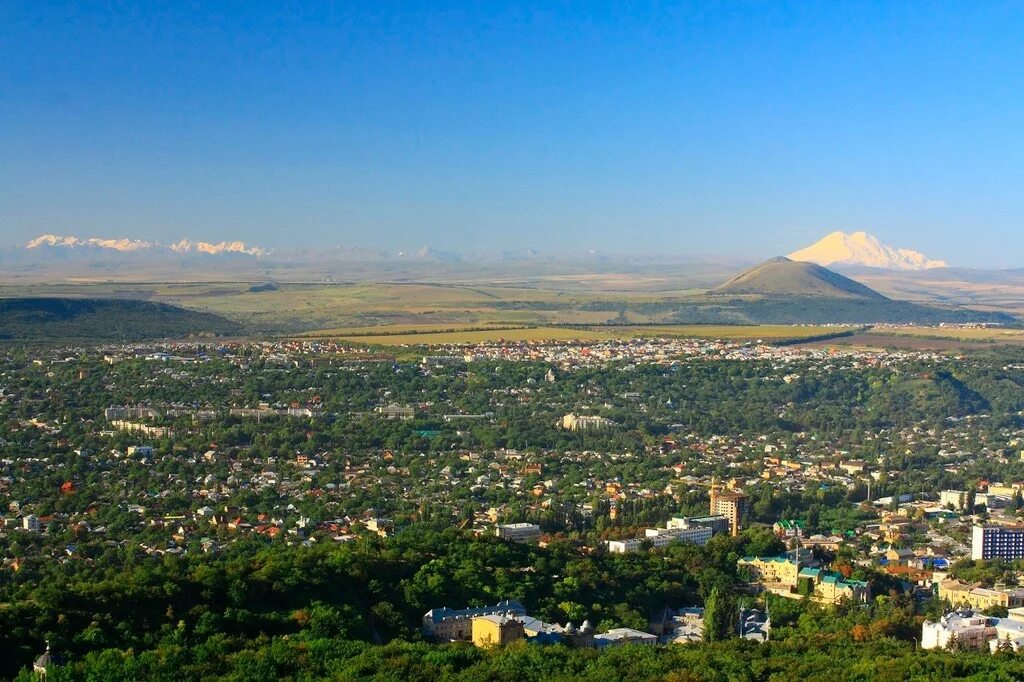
pixel 730 503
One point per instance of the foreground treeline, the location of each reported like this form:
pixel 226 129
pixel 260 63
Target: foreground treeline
pixel 353 611
pixel 372 590
pixel 814 658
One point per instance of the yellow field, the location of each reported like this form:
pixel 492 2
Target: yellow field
pixel 989 334
pixel 765 332
pixel 481 335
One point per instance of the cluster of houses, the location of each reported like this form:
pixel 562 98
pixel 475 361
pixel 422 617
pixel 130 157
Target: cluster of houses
pixel 577 354
pixel 912 536
pixel 563 354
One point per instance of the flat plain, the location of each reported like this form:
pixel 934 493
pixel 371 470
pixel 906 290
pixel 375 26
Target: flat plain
pixel 419 313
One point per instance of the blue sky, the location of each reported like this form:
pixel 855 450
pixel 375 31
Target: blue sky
pixel 751 128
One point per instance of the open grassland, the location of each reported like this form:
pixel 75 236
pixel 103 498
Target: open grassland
pixel 313 307
pixel 365 311
pixel 295 307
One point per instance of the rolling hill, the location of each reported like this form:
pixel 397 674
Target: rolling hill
pixel 104 319
pixel 784 277
pixel 783 291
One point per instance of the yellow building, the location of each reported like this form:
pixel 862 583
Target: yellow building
pixel 962 594
pixel 445 625
pixel 778 570
pixel 577 422
pixel 496 630
pixel 830 587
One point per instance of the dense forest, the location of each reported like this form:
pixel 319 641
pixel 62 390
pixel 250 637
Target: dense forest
pixel 352 611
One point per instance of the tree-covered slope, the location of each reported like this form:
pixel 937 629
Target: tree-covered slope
pixel 114 319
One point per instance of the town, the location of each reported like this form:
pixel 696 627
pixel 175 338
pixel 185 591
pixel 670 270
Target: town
pixel 626 448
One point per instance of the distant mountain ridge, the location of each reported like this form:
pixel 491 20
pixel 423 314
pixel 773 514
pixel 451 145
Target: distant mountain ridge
pixel 784 277
pixel 863 249
pixel 127 245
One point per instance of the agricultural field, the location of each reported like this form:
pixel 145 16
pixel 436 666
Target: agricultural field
pixel 970 334
pixel 929 338
pixel 294 307
pixel 482 335
pixel 364 311
pixel 762 332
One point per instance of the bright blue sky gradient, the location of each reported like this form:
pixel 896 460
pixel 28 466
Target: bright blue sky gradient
pixel 731 127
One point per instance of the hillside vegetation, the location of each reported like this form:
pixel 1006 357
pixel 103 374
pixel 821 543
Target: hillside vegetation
pixel 114 319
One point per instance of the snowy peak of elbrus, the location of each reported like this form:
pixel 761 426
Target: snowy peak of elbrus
pixel 863 249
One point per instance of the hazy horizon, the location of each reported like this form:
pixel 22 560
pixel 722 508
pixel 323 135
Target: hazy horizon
pixel 748 131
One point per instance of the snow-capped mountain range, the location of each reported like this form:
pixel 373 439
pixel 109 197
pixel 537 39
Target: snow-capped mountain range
pixel 837 249
pixel 862 249
pixel 138 245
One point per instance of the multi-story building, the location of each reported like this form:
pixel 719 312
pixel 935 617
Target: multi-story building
pixel 732 504
pixel 661 537
pixel 773 570
pixel 953 498
pixel 122 413
pixel 622 637
pixel 788 529
pixel 966 628
pixel 517 532
pixel 445 624
pixel 1003 490
pixel 831 587
pixel 396 411
pixel 785 576
pixel 576 422
pixel 717 524
pixel 997 542
pixel 974 630
pixel 502 623
pixel 698 535
pixel 976 597
pixel 144 429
